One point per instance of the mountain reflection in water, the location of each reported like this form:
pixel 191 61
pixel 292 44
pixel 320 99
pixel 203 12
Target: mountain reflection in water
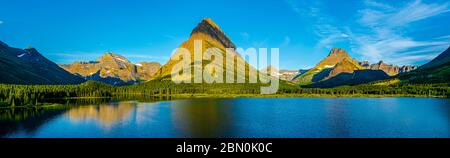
pixel 234 118
pixel 105 114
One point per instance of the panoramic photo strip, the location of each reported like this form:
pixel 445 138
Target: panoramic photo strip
pixel 224 76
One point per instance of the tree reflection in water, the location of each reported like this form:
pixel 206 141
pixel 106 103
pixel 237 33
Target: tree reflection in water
pixel 29 119
pixel 202 118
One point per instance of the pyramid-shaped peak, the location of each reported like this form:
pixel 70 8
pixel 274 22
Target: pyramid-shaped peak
pixel 207 24
pixel 338 52
pixel 211 22
pixel 212 30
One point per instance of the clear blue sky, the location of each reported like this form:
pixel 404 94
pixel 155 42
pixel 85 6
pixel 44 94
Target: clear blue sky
pixel 398 32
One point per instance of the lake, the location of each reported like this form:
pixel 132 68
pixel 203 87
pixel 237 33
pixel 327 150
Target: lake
pixel 236 118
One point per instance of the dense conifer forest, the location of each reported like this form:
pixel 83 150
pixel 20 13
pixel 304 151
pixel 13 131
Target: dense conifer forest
pixel 37 95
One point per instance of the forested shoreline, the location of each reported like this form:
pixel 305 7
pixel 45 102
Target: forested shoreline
pixel 36 95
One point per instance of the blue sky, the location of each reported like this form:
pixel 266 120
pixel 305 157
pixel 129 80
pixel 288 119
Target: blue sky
pixel 398 32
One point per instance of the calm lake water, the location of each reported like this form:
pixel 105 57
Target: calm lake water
pixel 240 117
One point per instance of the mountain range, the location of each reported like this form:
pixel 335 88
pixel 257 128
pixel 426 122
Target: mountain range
pixel 283 74
pixel 338 68
pixel 28 66
pixel 114 69
pixel 390 70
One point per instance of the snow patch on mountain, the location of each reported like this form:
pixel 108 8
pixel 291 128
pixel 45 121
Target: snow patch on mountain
pixel 21 55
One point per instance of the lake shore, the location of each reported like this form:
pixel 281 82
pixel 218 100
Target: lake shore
pixel 137 96
pixel 187 96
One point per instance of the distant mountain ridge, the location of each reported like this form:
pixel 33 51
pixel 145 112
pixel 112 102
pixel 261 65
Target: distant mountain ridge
pixel 114 69
pixel 338 68
pixel 391 70
pixel 28 66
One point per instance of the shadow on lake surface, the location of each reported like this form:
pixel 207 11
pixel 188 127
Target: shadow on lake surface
pixel 239 117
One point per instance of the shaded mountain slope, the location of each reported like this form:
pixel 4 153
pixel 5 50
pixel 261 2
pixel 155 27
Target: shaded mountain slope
pixel 28 66
pixel 355 78
pixel 435 71
pixel 441 59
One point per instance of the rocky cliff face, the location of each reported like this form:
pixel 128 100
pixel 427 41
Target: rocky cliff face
pixel 113 69
pixel 345 66
pixel 407 68
pixel 365 64
pixel 391 70
pixel 208 30
pixel 323 68
pixel 147 70
pixel 28 66
pixel 335 56
pixel 339 62
pixel 114 65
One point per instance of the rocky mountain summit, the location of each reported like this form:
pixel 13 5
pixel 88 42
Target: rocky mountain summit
pixel 209 35
pixel 324 69
pixel 114 69
pixel 339 67
pixel 391 70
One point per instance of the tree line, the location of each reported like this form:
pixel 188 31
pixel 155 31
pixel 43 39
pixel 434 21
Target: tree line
pixel 35 95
